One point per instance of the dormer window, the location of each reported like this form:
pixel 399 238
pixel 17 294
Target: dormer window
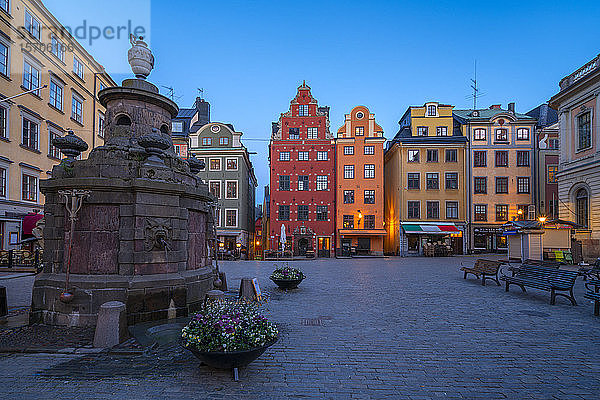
pixel 177 127
pixel 223 141
pixel 431 110
pixel 422 130
pixel 303 110
pixel 523 134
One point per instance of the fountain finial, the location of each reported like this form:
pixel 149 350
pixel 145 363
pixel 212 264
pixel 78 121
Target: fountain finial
pixel 140 57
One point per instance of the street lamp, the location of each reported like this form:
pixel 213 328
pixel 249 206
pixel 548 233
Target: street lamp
pixel 542 219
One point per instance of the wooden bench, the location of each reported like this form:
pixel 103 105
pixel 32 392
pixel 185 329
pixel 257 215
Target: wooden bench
pixel 549 279
pixel 484 269
pixel 594 294
pixel 590 271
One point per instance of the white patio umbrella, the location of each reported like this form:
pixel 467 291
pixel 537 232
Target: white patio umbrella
pixel 283 238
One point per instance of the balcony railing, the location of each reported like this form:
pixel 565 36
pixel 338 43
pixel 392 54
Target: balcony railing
pixel 580 73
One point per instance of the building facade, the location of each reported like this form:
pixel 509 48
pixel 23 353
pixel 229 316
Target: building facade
pixel 302 189
pixel 578 105
pixel 425 182
pixel 359 189
pixel 500 172
pixel 37 52
pixel 230 177
pixel 189 121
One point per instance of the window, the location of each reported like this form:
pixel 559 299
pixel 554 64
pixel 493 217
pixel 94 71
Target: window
pixel 584 131
pixel 284 213
pixel 348 171
pixel 3 176
pixel 422 130
pixel 433 180
pixel 29 186
pixel 303 156
pixel 215 189
pixel 553 144
pixel 369 222
pixel 369 171
pixel 348 196
pixel 452 210
pixel 321 182
pixel 442 131
pixel 552 170
pixel 501 184
pixel 432 156
pixel 414 209
pixel 348 150
pixel 501 135
pixel 58 49
pixel 53 151
pixel 3 59
pixel 501 212
pixel 232 190
pixel 322 213
pixel 232 164
pixel 223 141
pixel 479 134
pixel 369 197
pixel 101 122
pixel 582 207
pixel 522 159
pixel 215 164
pixel 523 184
pixel 32 25
pixel 231 218
pixel 284 156
pixel 31 77
pixel 480 158
pixel 303 183
pixel 294 133
pixel 177 127
pixel 322 156
pixel 451 180
pixel 414 180
pixel 303 110
pixel 78 67
pixel 431 111
pixel 369 150
pixel 217 217
pixel 523 134
pixel 303 213
pixel 502 158
pixel 413 156
pixel 348 221
pixel 522 210
pixel 312 133
pixel 3 123
pixel 480 185
pixel 284 182
pixel 433 210
pixel 56 95
pixel 206 141
pixel 77 109
pixel 451 155
pixel 480 212
pixel 30 134
pixel 359 131
pixel 4 6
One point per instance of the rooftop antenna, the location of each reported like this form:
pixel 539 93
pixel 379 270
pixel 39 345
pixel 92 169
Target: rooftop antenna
pixel 201 93
pixel 476 93
pixel 171 93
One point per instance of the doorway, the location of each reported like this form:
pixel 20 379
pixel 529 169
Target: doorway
pixel 324 247
pixel 346 247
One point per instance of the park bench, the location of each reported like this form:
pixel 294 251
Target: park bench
pixel 590 270
pixel 543 278
pixel 594 294
pixel 514 269
pixel 484 269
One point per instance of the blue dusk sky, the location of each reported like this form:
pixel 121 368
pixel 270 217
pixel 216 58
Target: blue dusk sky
pixel 250 56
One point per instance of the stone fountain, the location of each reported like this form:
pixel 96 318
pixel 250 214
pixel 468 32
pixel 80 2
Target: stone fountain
pixel 142 233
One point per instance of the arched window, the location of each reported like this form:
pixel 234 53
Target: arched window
pixel 582 205
pixel 123 120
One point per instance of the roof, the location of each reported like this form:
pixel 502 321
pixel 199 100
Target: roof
pixel 186 113
pixel 544 114
pixel 487 113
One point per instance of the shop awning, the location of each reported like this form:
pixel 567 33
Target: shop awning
pixel 430 228
pixel 29 222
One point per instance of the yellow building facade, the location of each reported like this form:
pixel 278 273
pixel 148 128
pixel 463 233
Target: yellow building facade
pixel 425 183
pixel 38 56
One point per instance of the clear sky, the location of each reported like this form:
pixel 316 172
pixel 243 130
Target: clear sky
pixel 250 56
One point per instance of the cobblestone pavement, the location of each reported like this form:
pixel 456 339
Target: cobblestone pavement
pixel 371 328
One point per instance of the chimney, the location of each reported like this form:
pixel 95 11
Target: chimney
pixel 511 107
pixel 496 107
pixel 203 108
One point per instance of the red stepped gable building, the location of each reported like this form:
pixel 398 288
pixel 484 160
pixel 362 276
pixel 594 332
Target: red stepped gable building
pixel 302 196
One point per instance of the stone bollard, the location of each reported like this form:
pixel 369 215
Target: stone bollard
pixel 111 326
pixel 223 279
pixel 3 303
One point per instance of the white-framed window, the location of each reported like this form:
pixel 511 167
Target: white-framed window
pixel 77 108
pixel 215 188
pixel 3 180
pixel 231 189
pixel 303 156
pixel 31 134
pixel 32 25
pixel 231 164
pixel 413 156
pixel 348 171
pixel 218 217
pixel 431 110
pixel 31 76
pixel 4 5
pixel 56 94
pixel 479 134
pixel 369 150
pixel 322 182
pixel 303 183
pixel 502 135
pixel 303 110
pixel 29 186
pixel 369 171
pixel 206 141
pixel 422 130
pixel 321 155
pixel 53 151
pixel 3 121
pixel 214 164
pixel 442 131
pixel 348 150
pixel 523 134
pixel 523 184
pixel 452 210
pixel 101 124
pixel 584 131
pixel 312 133
pixel 223 141
pixel 231 218
pixel 284 156
pixel 57 48
pixel 4 54
pixel 78 67
pixel 177 126
pixel 359 131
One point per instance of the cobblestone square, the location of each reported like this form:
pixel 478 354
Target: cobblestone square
pixel 402 328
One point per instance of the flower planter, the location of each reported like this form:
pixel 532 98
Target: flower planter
pixel 287 284
pixel 230 359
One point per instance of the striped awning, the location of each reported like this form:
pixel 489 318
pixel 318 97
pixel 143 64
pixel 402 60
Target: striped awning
pixel 431 229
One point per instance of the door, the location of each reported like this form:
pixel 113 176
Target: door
pixel 346 245
pixel 324 247
pixel 302 246
pixel 364 246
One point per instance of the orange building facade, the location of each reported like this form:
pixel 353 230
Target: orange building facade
pixel 359 195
